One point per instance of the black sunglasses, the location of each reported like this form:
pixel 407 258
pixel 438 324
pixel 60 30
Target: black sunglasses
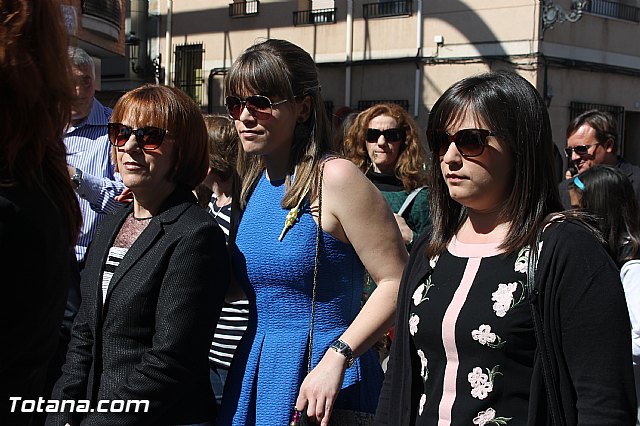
pixel 258 106
pixel 390 135
pixel 148 138
pixel 579 149
pixel 469 142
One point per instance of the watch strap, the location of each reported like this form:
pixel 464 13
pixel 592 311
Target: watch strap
pixel 345 350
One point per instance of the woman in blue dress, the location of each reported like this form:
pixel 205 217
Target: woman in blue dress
pixel 274 98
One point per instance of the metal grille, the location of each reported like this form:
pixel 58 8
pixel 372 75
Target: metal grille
pixel 362 105
pixel 109 10
pixel 613 10
pixel 239 9
pixel 385 9
pixel 577 108
pixel 316 16
pixel 188 71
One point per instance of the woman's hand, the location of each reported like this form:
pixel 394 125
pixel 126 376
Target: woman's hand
pixel 407 233
pixel 320 388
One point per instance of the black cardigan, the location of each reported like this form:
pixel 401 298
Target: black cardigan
pixel 585 326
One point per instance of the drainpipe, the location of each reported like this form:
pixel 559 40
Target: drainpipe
pixel 167 47
pixel 416 99
pixel 349 53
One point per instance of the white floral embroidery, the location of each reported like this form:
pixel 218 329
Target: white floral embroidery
pixel 424 371
pixel 522 261
pixel 481 383
pixel 413 324
pixel 484 417
pixel 483 334
pixel 503 297
pixel 433 261
pixel 489 416
pixel 420 295
pixel 423 399
pixel 417 295
pixel 477 377
pixel 482 390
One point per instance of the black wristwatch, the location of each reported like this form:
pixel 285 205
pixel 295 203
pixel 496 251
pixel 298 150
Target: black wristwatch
pixel 77 178
pixel 345 350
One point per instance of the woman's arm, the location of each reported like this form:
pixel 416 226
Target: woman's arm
pixel 595 332
pixel 630 276
pixel 354 211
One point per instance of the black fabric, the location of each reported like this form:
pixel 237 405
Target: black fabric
pixel 383 182
pixel 151 338
pixel 585 326
pixel 632 172
pixel 34 263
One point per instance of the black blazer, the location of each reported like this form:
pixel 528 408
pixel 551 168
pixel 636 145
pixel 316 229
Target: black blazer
pixel 151 339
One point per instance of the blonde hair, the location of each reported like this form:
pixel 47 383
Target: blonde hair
pixel 410 165
pixel 280 68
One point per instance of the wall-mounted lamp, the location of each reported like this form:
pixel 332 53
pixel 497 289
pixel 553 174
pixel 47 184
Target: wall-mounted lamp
pixel 552 13
pixel 133 47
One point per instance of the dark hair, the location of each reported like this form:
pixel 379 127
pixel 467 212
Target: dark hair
pixel 609 195
pixel 223 145
pixel 512 108
pixel 409 167
pixel 280 68
pixel 35 83
pixel 223 153
pixel 602 122
pixel 171 109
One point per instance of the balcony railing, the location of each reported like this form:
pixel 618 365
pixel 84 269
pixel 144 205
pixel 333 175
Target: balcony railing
pixel 386 9
pixel 312 17
pixel 109 10
pixel 614 10
pixel 239 9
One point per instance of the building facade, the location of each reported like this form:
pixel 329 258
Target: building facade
pixel 410 51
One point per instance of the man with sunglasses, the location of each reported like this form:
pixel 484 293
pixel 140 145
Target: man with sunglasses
pixel 591 140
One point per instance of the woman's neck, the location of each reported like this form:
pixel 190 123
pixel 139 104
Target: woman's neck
pixel 277 167
pixel 148 205
pixel 483 227
pixel 222 191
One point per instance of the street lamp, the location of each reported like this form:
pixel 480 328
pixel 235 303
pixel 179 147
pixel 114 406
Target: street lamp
pixel 552 13
pixel 133 47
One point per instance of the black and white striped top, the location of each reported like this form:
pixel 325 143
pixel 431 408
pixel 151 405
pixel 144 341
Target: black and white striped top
pixel 235 315
pixel 116 254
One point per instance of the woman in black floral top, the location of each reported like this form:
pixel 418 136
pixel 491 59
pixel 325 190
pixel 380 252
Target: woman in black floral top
pixel 468 348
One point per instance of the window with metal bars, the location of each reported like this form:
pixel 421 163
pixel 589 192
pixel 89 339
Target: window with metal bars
pixel 188 70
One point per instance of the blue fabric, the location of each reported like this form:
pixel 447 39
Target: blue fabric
pixel 277 276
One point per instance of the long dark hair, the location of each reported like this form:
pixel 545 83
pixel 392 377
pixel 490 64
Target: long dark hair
pixel 280 68
pixel 512 108
pixel 35 84
pixel 609 195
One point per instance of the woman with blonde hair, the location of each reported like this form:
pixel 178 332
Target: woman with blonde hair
pixel 39 214
pixel 383 143
pixel 300 249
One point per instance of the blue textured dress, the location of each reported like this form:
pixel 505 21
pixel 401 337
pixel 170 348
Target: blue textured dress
pixel 277 276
